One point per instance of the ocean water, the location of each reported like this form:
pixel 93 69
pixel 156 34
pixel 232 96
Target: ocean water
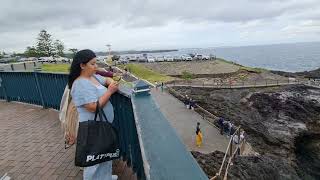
pixel 293 57
pixel 284 57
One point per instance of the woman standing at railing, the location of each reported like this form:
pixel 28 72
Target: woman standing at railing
pixel 86 89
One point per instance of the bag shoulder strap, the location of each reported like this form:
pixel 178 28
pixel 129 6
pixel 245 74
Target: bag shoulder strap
pixel 97 110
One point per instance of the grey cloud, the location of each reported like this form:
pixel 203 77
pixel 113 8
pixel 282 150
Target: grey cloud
pixel 16 15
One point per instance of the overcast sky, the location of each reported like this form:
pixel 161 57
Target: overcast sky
pixel 158 24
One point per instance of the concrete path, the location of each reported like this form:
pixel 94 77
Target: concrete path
pixel 185 120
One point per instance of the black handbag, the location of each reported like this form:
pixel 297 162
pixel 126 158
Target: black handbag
pixel 97 141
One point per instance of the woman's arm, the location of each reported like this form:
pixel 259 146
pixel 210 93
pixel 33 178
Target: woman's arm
pixel 113 87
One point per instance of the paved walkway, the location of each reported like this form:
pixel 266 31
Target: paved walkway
pixel 32 147
pixel 185 120
pixel 31 144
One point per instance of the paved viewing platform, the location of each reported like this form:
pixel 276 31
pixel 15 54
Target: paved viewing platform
pixel 31 144
pixel 185 120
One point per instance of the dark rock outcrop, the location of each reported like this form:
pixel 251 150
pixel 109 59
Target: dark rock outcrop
pixel 210 163
pixel 273 118
pixel 262 168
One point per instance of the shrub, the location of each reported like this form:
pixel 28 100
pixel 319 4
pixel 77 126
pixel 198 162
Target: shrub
pixel 187 75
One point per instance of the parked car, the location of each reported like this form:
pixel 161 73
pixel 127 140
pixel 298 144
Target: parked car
pixel 177 58
pixel 61 59
pixel 168 58
pixel 32 59
pixel 205 57
pixel 151 59
pixel 198 57
pixel 160 59
pixel 123 60
pixel 132 58
pixel 186 58
pixel 141 59
pixel 23 59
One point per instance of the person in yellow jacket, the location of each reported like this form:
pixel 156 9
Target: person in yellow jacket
pixel 198 135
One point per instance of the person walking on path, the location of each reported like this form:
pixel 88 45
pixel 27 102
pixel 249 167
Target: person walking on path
pixel 192 104
pixel 86 89
pixel 156 84
pixel 198 135
pixel 162 86
pixel 187 101
pixel 220 123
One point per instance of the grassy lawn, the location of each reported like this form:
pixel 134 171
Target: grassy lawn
pixel 55 67
pixel 144 73
pixel 228 62
pixel 250 69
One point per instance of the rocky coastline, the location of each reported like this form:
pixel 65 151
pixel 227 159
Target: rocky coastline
pixel 282 125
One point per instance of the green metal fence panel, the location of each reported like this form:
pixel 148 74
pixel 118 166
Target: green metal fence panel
pixel 129 142
pixel 52 87
pixel 2 90
pixel 20 86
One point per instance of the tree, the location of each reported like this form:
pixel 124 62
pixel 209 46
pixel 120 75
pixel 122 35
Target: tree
pixel 31 52
pixel 115 58
pixel 44 44
pixel 74 51
pixel 59 48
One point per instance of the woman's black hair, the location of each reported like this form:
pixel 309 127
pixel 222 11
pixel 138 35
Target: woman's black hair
pixel 81 57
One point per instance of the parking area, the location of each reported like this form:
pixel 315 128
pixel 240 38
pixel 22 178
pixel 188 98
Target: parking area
pixel 164 58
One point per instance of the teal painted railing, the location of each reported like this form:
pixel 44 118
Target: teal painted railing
pixel 149 144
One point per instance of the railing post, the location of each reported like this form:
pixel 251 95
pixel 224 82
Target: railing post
pixel 2 87
pixel 12 68
pixel 231 146
pixel 239 140
pixel 24 65
pixel 39 88
pixel 34 64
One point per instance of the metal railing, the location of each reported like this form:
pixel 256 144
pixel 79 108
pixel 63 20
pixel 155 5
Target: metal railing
pixel 235 84
pixel 232 152
pixel 149 144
